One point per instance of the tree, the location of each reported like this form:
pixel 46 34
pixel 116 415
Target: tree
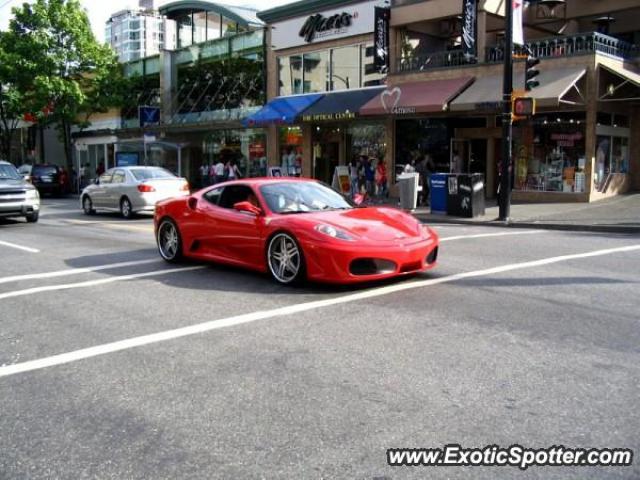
pixel 11 97
pixel 71 75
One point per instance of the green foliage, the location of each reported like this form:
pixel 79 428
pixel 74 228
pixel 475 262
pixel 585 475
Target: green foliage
pixel 63 75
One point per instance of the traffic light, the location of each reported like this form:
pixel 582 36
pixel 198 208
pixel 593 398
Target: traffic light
pixel 522 107
pixel 530 72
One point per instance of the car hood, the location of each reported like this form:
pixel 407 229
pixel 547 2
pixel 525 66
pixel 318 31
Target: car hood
pixel 13 184
pixel 372 224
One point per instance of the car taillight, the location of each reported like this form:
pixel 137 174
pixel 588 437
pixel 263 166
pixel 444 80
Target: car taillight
pixel 184 187
pixel 145 188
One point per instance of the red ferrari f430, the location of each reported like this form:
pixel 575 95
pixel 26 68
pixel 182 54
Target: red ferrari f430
pixel 295 229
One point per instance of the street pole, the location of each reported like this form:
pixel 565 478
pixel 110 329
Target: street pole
pixel 507 90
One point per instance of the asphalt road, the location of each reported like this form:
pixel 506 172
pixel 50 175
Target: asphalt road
pixel 205 372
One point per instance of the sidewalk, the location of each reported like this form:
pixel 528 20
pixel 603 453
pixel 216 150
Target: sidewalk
pixel 615 215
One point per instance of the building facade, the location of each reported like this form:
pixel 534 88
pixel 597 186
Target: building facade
pixel 442 97
pixel 139 33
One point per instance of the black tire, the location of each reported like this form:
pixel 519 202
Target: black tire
pixel 126 209
pixel 285 259
pixel 170 250
pixel 87 205
pixel 32 217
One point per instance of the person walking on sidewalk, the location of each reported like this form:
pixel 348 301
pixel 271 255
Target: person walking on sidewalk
pixel 381 179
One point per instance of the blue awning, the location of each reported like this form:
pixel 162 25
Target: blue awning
pixel 281 110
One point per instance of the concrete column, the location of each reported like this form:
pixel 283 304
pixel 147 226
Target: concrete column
pixel 634 148
pixel 590 130
pixel 168 84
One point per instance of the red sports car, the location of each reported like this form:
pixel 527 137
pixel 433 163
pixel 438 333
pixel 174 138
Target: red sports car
pixel 295 229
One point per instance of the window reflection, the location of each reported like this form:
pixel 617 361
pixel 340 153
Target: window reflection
pixel 316 68
pixel 345 68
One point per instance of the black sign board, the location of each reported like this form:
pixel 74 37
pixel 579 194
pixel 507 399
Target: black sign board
pixel 470 30
pixel 381 39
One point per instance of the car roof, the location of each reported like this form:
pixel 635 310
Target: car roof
pixel 260 181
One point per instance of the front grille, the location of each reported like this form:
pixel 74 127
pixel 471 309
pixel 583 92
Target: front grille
pixel 371 266
pixel 411 267
pixel 433 256
pixel 11 196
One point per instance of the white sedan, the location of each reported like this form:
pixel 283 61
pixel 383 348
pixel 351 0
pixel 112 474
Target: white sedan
pixel 132 189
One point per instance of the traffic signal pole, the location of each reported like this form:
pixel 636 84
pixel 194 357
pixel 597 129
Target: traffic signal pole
pixel 507 89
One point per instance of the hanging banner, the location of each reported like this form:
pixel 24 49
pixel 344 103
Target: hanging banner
pixel 518 30
pixel 381 39
pixel 470 30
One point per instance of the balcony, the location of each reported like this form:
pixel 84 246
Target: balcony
pixel 570 46
pixel 553 47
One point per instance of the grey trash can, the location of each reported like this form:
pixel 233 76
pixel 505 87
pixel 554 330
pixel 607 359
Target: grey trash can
pixel 408 183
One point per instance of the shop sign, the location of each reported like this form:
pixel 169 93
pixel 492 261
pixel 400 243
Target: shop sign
pixel 469 29
pixel 333 24
pixel 381 39
pixel 328 117
pixel 566 139
pixel 390 102
pixel 257 149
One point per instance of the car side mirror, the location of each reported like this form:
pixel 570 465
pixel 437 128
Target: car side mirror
pixel 247 207
pixel 192 203
pixel 96 181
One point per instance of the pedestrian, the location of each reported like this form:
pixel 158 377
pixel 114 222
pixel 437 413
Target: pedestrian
pixel 353 175
pixel 83 175
pixel 369 177
pixel 381 179
pixel 217 172
pixel 204 175
pixel 233 173
pixel 456 163
pixel 100 169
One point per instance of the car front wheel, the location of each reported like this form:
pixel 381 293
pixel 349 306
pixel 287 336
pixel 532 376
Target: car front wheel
pixel 125 208
pixel 285 259
pixel 169 241
pixel 32 217
pixel 87 205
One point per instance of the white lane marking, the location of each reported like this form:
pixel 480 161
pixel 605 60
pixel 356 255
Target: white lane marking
pixel 19 247
pixel 282 311
pixel 76 271
pixel 93 283
pixel 483 235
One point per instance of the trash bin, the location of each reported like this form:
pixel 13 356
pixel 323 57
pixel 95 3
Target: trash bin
pixel 438 193
pixel 465 195
pixel 408 183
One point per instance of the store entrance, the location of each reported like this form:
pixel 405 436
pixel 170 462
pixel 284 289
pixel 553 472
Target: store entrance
pixel 326 157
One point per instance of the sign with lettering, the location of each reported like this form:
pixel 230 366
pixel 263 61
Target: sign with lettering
pixel 381 39
pixel 356 19
pixel 328 117
pixel 469 29
pixel 149 116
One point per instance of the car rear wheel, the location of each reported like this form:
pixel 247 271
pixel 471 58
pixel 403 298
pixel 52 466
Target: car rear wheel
pixel 87 205
pixel 169 241
pixel 125 208
pixel 32 217
pixel 285 259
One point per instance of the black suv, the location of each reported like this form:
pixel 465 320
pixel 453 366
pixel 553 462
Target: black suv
pixel 50 179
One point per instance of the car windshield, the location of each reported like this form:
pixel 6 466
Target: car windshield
pixel 302 197
pixel 9 172
pixel 151 173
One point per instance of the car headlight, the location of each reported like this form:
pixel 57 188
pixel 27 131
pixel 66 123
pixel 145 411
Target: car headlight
pixel 32 194
pixel 334 232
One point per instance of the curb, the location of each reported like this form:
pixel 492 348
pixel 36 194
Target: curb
pixel 539 225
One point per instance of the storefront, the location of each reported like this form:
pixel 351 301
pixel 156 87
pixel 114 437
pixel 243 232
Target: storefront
pixel 317 82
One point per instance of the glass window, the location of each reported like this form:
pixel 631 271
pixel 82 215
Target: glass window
pixel 134 25
pixel 290 74
pixel 213 195
pixel 8 172
pixel 184 31
pixel 234 194
pixel 246 147
pixel 370 76
pixel 302 197
pixel 316 69
pixel 118 177
pixel 106 177
pixel 213 25
pixel 151 173
pixel 199 27
pixel 345 68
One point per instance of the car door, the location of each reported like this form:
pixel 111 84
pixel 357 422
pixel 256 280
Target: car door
pixel 99 191
pixel 115 190
pixel 239 235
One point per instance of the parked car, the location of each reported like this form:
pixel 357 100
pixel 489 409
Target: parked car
pixel 52 179
pixel 132 189
pixel 18 198
pixel 295 229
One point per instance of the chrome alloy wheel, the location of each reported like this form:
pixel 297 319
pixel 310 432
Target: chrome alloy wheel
pixel 125 208
pixel 168 241
pixel 285 259
pixel 87 205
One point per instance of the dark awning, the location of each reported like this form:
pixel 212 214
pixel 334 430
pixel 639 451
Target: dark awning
pixel 342 105
pixel 416 97
pixel 558 85
pixel 281 110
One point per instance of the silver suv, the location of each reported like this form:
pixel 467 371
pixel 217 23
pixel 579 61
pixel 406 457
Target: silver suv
pixel 18 198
